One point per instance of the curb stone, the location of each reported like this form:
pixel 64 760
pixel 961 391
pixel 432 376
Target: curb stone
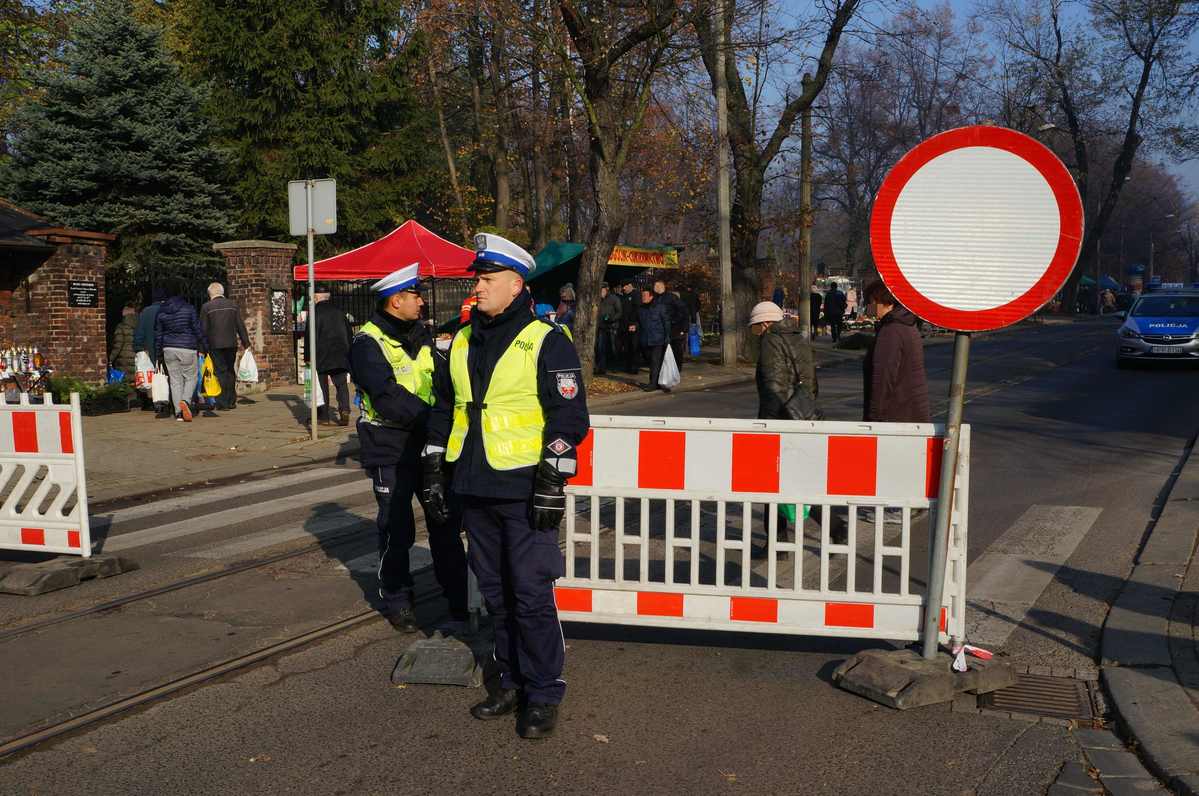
pixel 1141 636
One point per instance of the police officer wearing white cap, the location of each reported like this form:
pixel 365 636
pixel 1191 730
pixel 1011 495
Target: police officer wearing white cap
pixel 508 413
pixel 392 365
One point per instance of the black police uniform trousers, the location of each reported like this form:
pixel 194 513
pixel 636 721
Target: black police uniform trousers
pixel 516 566
pixel 394 486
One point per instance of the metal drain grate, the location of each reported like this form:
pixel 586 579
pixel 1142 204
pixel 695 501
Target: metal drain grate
pixel 1039 695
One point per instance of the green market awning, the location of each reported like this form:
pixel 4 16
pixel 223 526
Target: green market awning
pixel 559 253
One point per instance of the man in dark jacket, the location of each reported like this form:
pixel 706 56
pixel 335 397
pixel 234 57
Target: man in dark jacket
pixel 333 336
pixel 630 346
pixel 785 367
pixel 895 389
pixel 179 341
pixel 221 320
pixel 610 313
pixel 834 310
pixel 676 316
pixel 653 329
pixel 814 302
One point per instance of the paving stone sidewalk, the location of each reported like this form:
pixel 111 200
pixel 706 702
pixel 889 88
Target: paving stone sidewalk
pixel 1150 644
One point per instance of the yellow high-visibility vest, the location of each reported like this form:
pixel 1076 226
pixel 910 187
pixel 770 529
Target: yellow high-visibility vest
pixel 510 415
pixel 414 375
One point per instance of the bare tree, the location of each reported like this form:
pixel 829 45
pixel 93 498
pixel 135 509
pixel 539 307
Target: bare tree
pixel 754 153
pixel 619 47
pixel 1121 74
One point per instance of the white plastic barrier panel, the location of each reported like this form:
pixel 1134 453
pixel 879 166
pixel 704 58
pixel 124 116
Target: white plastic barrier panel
pixel 675 522
pixel 43 492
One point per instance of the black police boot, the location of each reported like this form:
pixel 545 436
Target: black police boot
pixel 537 720
pixel 397 607
pixel 501 703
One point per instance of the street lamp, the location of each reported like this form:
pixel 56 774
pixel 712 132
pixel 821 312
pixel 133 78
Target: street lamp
pixel 1149 276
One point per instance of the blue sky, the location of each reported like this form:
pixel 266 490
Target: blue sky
pixel 879 10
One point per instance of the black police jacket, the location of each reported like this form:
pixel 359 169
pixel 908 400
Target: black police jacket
pixel 372 374
pixel 559 384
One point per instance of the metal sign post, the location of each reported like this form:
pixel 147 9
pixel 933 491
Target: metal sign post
pixel 949 469
pixel 312 210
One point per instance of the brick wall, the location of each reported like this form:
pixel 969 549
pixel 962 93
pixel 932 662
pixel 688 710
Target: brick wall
pixel 71 338
pixel 254 268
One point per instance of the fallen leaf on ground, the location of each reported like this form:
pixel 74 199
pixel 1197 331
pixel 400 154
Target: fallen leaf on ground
pixel 600 738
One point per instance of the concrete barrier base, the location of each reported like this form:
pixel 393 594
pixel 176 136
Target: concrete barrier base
pixel 63 572
pixel 902 679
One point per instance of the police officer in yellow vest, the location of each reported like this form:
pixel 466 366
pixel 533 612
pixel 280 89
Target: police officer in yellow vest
pixel 392 364
pixel 508 415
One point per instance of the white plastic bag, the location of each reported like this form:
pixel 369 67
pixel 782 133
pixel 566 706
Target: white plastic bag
pixel 160 390
pixel 312 388
pixel 247 369
pixel 143 373
pixel 669 377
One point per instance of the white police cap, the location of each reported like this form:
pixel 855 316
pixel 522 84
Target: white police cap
pixel 406 278
pixel 494 253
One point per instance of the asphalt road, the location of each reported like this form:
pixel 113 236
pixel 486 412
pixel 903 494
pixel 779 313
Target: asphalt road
pixel 1069 456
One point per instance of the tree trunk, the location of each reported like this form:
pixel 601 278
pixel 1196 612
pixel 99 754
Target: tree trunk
pixel 499 149
pixel 463 221
pixel 605 232
pixel 805 222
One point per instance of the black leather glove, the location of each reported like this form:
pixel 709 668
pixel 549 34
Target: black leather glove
pixel 549 497
pixel 433 488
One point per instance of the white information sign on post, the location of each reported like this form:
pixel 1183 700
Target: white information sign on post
pixel 976 228
pixel 312 210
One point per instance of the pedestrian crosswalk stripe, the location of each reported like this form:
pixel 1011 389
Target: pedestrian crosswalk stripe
pixel 215 495
pixel 368 564
pixel 317 528
pixel 292 504
pixel 1008 579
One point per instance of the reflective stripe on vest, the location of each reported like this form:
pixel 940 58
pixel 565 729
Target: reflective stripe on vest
pixel 416 376
pixel 510 416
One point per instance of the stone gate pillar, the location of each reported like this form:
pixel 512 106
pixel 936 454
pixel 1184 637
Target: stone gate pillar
pixel 257 272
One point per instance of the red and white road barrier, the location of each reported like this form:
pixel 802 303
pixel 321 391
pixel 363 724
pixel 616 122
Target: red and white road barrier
pixel 43 491
pixel 705 548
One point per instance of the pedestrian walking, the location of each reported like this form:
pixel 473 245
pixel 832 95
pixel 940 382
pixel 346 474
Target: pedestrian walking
pixel 653 327
pixel 392 361
pixel 143 340
pixel 180 340
pixel 894 386
pixel 121 354
pixel 676 316
pixel 509 413
pixel 610 313
pixel 333 338
pixel 814 302
pixel 566 305
pixel 786 372
pixel 834 310
pixel 630 343
pixel 221 320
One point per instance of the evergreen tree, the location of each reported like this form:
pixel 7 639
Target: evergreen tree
pixel 316 88
pixel 117 143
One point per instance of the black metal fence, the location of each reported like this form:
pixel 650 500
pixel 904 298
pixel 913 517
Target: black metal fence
pixel 122 288
pixel 443 298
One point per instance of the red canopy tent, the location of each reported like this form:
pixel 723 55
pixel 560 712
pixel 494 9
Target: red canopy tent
pixel 407 244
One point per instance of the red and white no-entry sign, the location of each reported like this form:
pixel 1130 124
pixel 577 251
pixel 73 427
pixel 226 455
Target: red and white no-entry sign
pixel 975 228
